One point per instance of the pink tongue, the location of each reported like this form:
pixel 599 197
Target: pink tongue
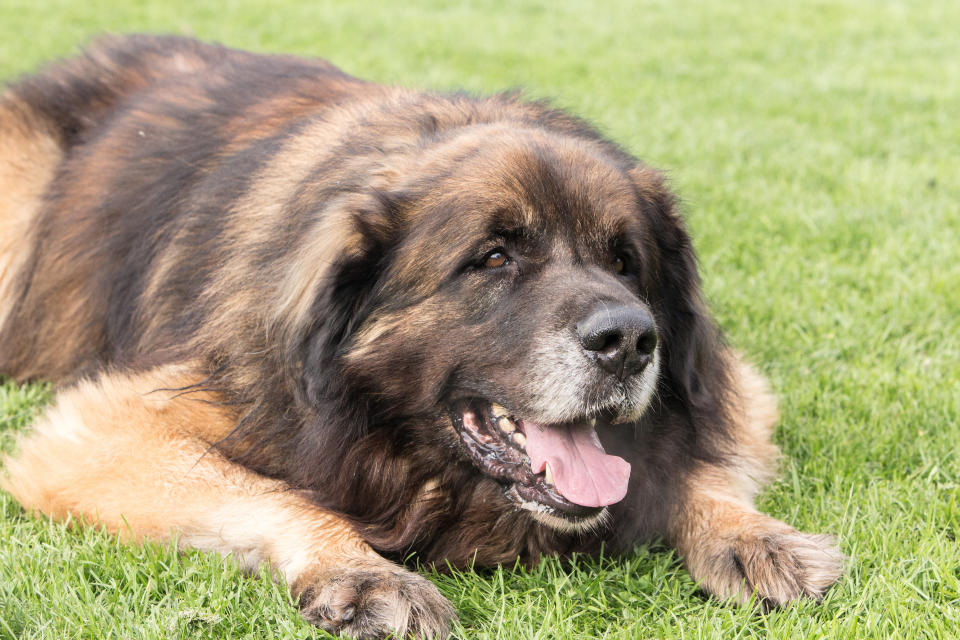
pixel 582 471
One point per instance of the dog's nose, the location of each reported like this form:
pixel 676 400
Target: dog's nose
pixel 621 338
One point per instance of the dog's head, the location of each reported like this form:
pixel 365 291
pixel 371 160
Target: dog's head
pixel 514 286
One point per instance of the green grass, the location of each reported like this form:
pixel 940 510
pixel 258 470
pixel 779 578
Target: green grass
pixel 817 148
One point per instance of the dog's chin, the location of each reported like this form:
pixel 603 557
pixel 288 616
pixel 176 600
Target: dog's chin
pixel 553 488
pixel 564 524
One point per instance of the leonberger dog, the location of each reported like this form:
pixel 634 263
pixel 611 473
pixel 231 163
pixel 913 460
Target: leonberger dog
pixel 323 324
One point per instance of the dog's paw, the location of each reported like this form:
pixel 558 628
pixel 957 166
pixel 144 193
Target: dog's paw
pixel 776 563
pixel 375 602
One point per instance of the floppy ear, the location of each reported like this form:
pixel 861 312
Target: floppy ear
pixel 340 306
pixel 694 351
pixel 344 298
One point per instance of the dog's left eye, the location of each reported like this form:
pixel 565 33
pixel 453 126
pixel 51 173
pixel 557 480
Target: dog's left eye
pixel 620 264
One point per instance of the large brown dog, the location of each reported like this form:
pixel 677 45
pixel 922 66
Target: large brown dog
pixel 318 323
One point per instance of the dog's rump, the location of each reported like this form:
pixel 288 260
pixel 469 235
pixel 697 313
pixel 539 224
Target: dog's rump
pixel 44 116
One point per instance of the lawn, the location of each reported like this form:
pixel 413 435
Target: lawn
pixel 816 146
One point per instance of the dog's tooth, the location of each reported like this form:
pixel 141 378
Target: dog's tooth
pixel 593 422
pixel 548 475
pixel 498 411
pixel 506 425
pixel 519 439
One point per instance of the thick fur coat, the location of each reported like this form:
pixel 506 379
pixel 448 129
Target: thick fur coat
pixel 313 321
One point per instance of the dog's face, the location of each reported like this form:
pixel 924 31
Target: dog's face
pixel 514 312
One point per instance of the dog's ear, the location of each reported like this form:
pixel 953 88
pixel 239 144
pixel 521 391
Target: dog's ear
pixel 695 355
pixel 344 297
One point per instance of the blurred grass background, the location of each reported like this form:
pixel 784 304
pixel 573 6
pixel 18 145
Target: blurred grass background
pixel 817 148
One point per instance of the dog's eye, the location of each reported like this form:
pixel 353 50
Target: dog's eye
pixel 620 264
pixel 494 259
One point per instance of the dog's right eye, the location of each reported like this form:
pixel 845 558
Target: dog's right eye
pixel 495 259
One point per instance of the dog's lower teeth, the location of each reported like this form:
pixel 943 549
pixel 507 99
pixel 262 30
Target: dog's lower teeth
pixel 506 425
pixel 519 439
pixel 548 476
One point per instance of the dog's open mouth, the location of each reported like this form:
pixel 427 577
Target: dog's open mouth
pixel 559 469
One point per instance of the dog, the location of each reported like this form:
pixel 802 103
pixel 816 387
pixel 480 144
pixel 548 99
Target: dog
pixel 321 324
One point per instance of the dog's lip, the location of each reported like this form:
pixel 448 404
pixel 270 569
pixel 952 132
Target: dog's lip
pixel 496 444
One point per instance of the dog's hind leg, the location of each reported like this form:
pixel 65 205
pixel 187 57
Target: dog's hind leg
pixel 132 453
pixel 29 156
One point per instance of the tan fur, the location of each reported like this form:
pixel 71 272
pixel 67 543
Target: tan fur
pixel 132 453
pixel 751 455
pixel 732 549
pixel 28 158
pixel 52 359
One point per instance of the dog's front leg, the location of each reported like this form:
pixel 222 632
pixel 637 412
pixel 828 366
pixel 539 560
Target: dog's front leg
pixel 129 453
pixel 735 551
pixel 732 549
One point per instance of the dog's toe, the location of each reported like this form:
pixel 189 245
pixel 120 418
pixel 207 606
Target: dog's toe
pixel 783 567
pixel 769 560
pixel 374 603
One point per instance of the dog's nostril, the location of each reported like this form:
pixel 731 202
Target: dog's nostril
pixel 610 342
pixel 647 342
pixel 602 341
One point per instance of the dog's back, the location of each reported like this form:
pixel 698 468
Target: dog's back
pixel 43 119
pixel 67 131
